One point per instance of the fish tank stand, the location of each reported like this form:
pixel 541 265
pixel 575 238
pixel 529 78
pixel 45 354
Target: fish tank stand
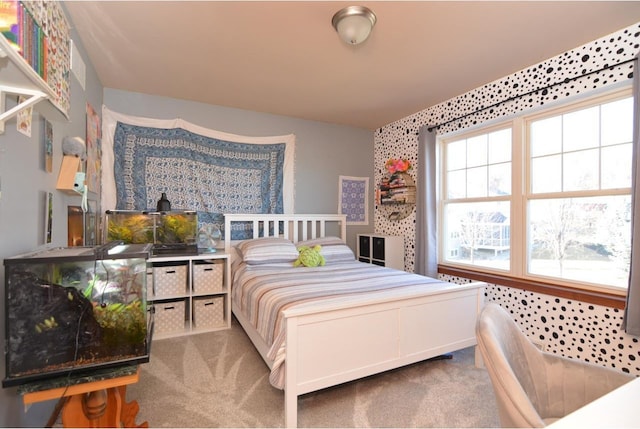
pixel 95 400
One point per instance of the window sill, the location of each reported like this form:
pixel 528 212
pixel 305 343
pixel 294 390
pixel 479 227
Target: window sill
pixel 593 297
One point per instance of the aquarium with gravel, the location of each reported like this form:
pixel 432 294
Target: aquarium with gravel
pixel 171 227
pixel 176 227
pixel 75 309
pixel 129 226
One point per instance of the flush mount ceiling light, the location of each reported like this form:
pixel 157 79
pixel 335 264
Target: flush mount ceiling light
pixel 354 24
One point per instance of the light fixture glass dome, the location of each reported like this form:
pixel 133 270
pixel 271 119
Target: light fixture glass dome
pixel 354 24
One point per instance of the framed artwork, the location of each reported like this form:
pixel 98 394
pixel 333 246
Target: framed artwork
pixel 94 150
pixel 47 142
pixel 23 123
pixel 48 217
pixel 354 199
pixel 91 224
pixel 75 226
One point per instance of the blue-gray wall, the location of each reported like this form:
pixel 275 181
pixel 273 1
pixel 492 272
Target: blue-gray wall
pixel 323 152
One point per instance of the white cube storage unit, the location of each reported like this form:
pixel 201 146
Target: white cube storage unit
pixel 384 250
pixel 189 294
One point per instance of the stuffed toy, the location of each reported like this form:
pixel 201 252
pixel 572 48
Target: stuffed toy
pixel 309 256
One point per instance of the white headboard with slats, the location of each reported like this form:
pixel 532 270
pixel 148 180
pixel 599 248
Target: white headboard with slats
pixel 294 227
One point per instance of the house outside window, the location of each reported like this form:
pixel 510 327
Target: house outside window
pixel 544 196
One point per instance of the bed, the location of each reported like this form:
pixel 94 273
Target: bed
pixel 317 327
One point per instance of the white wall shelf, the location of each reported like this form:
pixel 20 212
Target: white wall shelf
pixel 19 78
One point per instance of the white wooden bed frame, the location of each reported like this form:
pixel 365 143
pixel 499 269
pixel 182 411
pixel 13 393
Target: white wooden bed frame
pixel 376 337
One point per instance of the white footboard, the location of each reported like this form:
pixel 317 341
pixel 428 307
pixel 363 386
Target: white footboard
pixel 326 348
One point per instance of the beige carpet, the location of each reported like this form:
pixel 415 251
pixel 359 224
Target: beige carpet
pixel 219 380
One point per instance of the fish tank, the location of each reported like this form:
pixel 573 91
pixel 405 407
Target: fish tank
pixel 132 226
pixel 75 309
pixel 129 226
pixel 176 227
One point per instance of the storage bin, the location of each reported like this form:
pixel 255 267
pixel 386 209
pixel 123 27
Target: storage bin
pixel 169 317
pixel 149 275
pixel 169 281
pixel 208 312
pixel 207 277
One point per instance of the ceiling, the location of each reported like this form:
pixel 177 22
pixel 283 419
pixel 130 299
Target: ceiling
pixel 285 58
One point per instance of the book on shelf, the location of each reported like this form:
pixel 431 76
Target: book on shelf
pixel 9 22
pixel 24 34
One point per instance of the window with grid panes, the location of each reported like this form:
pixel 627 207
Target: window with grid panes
pixel 546 196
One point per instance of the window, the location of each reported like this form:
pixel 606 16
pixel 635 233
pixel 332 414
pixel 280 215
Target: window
pixel 546 196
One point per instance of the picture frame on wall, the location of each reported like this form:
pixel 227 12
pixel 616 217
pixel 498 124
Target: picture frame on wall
pixel 353 199
pixel 48 217
pixel 94 150
pixel 91 224
pixel 75 226
pixel 47 143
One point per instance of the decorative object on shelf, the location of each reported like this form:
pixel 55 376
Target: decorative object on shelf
pixel 397 165
pixel 74 146
pixel 209 236
pixel 164 205
pixel 354 24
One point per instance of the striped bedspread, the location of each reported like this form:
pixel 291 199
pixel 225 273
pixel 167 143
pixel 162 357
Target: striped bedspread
pixel 263 292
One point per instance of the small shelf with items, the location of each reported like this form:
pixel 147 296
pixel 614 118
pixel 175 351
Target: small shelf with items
pixel 397 188
pixel 37 46
pixel 396 193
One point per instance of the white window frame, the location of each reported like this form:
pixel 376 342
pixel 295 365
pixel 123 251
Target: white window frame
pixel 520 190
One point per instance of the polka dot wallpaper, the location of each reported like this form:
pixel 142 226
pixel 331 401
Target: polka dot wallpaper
pixel 569 328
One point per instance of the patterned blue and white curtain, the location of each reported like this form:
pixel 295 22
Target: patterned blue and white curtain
pixel 199 169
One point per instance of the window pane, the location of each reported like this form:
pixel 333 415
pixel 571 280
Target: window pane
pixel 478 234
pixel 456 155
pixel 546 136
pixel 477 182
pixel 477 151
pixel 546 174
pixel 617 122
pixel 500 146
pixel 580 170
pixel 457 184
pixel 582 239
pixel 581 129
pixel 500 179
pixel 616 166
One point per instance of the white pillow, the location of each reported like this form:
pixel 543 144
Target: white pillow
pixel 267 250
pixel 333 248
